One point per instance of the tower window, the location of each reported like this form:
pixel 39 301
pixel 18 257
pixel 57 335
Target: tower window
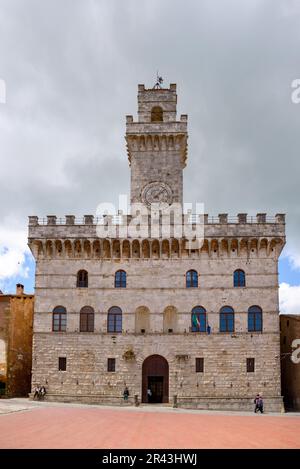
pixel 250 365
pixel 239 278
pixel 82 279
pixel 255 319
pixel 62 364
pixel 198 319
pixel 191 279
pixel 199 365
pixel 111 364
pixel 87 319
pixel 59 319
pixel 120 279
pixel 114 319
pixel 156 114
pixel 226 319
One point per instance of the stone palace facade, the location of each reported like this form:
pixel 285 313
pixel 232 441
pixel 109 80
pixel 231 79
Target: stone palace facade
pixel 196 324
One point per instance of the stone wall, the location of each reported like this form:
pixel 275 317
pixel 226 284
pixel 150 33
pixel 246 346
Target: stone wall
pixel 156 286
pixel 224 377
pixel 19 357
pixel 16 330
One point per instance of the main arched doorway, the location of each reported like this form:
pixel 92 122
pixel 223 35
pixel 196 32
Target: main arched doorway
pixel 155 377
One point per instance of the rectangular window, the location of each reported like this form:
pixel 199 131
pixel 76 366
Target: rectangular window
pixel 62 364
pixel 111 364
pixel 199 365
pixel 250 365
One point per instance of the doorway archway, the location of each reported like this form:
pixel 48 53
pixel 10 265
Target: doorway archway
pixel 155 377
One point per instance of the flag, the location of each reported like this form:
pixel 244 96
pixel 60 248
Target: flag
pixel 195 321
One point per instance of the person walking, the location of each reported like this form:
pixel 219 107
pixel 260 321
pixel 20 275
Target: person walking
pixel 149 394
pixel 259 404
pixel 256 403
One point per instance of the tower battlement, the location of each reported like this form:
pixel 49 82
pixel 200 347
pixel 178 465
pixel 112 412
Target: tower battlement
pixel 156 146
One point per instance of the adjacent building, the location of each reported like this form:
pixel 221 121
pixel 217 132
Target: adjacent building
pixel 290 360
pixel 16 324
pixel 191 324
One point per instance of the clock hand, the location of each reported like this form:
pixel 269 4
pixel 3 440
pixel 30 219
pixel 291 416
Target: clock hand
pixel 160 192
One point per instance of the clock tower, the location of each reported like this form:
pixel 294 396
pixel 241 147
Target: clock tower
pixel 157 147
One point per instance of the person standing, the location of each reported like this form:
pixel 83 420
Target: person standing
pixel 36 392
pixel 126 393
pixel 42 392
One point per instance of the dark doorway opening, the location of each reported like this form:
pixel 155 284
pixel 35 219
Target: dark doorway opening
pixel 155 380
pixel 155 386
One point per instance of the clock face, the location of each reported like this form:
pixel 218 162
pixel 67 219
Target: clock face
pixel 157 192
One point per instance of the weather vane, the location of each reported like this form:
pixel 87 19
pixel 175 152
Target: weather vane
pixel 159 81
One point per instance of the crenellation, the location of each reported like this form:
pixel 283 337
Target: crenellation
pixel 70 219
pixel 261 218
pixel 242 218
pixel 51 219
pixel 88 219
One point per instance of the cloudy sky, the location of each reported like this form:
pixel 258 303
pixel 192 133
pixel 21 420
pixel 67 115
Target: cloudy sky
pixel 71 69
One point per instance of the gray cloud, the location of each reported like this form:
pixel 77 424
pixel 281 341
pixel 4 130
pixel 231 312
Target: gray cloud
pixel 72 69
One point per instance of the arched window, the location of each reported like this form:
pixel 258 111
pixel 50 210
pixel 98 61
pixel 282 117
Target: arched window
pixel 156 114
pixel 226 319
pixel 239 278
pixel 198 318
pixel 191 279
pixel 142 319
pixel 87 319
pixel 120 279
pixel 255 319
pixel 82 279
pixel 59 319
pixel 114 319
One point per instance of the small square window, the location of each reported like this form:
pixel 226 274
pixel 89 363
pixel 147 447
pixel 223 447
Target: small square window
pixel 111 364
pixel 199 365
pixel 250 365
pixel 62 364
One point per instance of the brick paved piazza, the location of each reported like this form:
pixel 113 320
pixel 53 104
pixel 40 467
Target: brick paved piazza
pixel 25 424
